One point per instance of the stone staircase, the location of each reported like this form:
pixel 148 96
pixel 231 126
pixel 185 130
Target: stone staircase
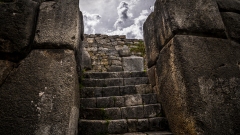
pixel 119 103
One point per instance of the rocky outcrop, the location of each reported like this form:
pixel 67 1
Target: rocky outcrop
pixel 196 63
pixel 40 87
pixel 110 53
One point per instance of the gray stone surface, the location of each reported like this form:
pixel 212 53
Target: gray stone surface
pixel 199 85
pixel 136 80
pixel 232 23
pixel 144 88
pixel 133 112
pixel 118 101
pixel 151 75
pixel 127 90
pixel 131 100
pixel 91 127
pixel 158 123
pixel 151 39
pixel 152 110
pixel 39 93
pixel 110 91
pixel 5 68
pixel 16 30
pixel 229 5
pixel 143 125
pixel 114 68
pixel 104 102
pixel 175 18
pixel 59 27
pixel 86 60
pixel 149 98
pixel 89 92
pixel 117 126
pixel 88 102
pixel 132 63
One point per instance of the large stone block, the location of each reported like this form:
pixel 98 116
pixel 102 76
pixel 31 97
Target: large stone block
pixel 199 81
pixel 232 23
pixel 229 5
pixel 132 63
pixel 41 95
pixel 17 21
pixel 171 17
pixel 59 27
pixel 152 45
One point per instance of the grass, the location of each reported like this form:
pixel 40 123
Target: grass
pixel 140 48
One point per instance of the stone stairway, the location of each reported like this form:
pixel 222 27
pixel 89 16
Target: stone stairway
pixel 119 103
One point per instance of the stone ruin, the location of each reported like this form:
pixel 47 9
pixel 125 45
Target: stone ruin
pixel 193 61
pixel 103 53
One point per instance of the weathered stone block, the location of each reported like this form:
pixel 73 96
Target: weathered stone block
pixel 143 125
pixel 149 98
pixel 86 60
pixel 131 100
pixel 133 112
pixel 93 127
pixel 132 63
pixel 158 123
pixel 232 23
pixel 117 126
pixel 111 91
pixel 115 68
pixel 135 80
pixel 176 18
pixel 88 102
pixel 229 5
pixel 151 75
pixel 199 85
pixel 104 102
pixel 36 94
pixel 144 88
pixel 17 21
pixel 88 92
pixel 152 110
pixel 118 101
pixel 127 90
pixel 58 27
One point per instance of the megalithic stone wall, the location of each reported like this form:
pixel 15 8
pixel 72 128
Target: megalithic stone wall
pixel 193 52
pixel 40 58
pixel 103 53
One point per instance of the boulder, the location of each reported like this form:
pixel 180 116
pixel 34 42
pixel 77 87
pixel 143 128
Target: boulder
pixel 195 17
pixel 132 63
pixel 58 27
pixel 41 95
pixel 232 24
pixel 17 21
pixel 198 85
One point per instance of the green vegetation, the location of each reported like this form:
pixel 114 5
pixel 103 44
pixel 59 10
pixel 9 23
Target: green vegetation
pixel 140 48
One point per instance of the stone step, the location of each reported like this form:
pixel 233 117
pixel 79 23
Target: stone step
pixel 100 75
pixel 90 92
pixel 114 82
pixel 121 126
pixel 147 133
pixel 119 101
pixel 130 112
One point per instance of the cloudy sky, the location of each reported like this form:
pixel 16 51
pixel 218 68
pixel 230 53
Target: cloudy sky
pixel 116 17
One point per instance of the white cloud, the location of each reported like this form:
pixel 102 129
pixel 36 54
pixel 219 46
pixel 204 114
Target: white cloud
pixel 90 21
pixel 136 29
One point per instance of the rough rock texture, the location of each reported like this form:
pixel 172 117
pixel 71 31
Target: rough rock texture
pixel 132 63
pixel 17 27
pixel 232 23
pixel 199 85
pixel 41 95
pixel 58 27
pixel 86 60
pixel 229 5
pixel 197 68
pixel 5 69
pixel 107 52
